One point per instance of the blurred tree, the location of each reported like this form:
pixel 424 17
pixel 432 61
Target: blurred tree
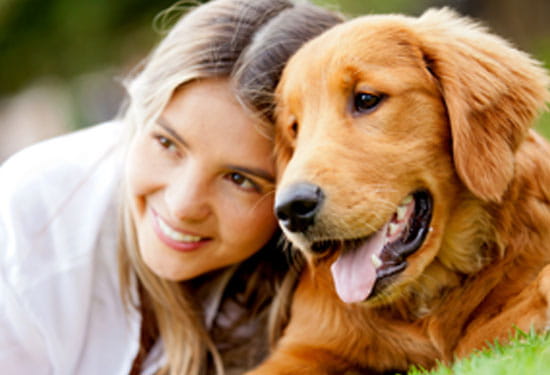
pixel 65 38
pixel 525 22
pixel 358 7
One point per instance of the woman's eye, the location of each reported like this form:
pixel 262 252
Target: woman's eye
pixel 364 102
pixel 166 143
pixel 242 181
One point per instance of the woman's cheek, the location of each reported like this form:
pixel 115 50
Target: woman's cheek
pixel 261 218
pixel 246 212
pixel 140 166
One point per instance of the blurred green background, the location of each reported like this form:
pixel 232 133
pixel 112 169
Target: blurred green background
pixel 62 61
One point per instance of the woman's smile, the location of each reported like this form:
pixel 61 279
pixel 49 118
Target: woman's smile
pixel 176 239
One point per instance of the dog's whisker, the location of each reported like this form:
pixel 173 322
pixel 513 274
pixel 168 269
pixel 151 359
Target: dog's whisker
pixel 265 196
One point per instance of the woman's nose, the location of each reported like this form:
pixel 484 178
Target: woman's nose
pixel 188 195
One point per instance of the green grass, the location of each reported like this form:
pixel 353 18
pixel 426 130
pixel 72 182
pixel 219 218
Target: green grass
pixel 527 354
pixel 543 126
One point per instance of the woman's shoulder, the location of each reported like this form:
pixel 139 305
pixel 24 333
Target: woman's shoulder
pixel 54 197
pixel 55 166
pixel 58 258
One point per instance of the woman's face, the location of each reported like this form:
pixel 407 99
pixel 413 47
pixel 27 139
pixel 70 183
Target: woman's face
pixel 201 183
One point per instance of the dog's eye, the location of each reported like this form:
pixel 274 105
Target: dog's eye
pixel 364 102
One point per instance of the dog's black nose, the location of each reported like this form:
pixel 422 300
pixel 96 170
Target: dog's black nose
pixel 297 205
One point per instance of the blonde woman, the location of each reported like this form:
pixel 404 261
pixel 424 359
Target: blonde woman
pixel 148 245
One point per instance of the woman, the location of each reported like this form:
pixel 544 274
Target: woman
pixel 181 280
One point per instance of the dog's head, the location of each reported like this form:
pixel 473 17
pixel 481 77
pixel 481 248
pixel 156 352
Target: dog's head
pixel 393 132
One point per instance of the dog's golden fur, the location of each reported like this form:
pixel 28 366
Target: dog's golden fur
pixel 455 120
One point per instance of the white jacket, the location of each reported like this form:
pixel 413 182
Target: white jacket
pixel 60 306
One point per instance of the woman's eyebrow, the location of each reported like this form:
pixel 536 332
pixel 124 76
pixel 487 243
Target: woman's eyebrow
pixel 258 172
pixel 166 126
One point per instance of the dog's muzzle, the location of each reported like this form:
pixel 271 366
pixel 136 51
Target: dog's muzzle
pixel 297 205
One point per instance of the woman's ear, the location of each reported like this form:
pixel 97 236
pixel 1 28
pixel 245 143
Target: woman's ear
pixel 492 91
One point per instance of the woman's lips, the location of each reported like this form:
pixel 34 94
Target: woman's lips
pixel 175 239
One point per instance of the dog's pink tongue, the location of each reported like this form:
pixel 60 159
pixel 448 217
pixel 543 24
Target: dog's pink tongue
pixel 353 272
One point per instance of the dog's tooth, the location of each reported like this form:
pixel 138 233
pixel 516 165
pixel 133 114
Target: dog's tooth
pixel 393 228
pixel 408 199
pixel 376 261
pixel 401 211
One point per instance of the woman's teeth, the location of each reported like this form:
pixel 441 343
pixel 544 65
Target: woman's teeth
pixel 175 235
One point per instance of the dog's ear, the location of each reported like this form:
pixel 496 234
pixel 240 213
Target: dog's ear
pixel 492 91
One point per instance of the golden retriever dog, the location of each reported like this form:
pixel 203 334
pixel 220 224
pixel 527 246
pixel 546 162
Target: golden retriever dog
pixel 413 185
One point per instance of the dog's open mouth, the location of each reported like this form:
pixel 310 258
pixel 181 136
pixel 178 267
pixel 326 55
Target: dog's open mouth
pixel 366 266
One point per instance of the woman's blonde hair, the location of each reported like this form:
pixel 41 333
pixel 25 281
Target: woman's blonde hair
pixel 209 41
